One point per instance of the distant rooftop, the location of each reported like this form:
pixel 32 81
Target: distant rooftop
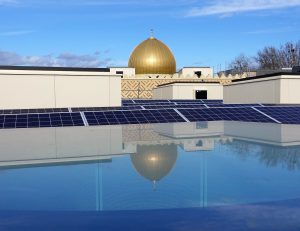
pixel 267 76
pixel 41 68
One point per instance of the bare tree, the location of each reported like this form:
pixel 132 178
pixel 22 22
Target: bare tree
pixel 241 63
pixel 290 54
pixel 271 58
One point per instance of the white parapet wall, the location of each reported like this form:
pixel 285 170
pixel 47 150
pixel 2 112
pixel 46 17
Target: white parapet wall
pixel 278 88
pixel 188 90
pixel 58 87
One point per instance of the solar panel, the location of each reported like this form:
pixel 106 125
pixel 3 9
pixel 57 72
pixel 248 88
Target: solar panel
pixel 186 101
pixel 28 111
pixel 133 117
pixel 174 106
pixel 208 101
pixel 41 120
pixel 145 101
pixel 233 105
pixel 154 103
pixel 287 115
pixel 233 114
pixel 124 108
pixel 127 102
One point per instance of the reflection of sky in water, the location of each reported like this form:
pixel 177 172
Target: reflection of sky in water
pixel 160 174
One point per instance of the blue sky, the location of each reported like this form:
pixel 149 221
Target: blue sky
pixel 104 32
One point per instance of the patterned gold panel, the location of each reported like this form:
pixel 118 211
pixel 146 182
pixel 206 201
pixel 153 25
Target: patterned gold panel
pixel 142 88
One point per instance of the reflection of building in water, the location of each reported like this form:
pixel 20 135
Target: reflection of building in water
pixel 154 161
pixel 70 145
pixel 153 151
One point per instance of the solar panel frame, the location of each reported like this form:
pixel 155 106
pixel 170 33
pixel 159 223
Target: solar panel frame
pixel 174 106
pixel 29 111
pixel 123 108
pixel 133 117
pixel 231 114
pixel 39 120
pixel 283 114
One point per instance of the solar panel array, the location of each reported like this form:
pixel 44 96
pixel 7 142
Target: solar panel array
pixel 149 111
pixel 286 115
pixel 232 114
pixel 133 117
pixel 174 106
pixel 124 108
pixel 28 111
pixel 41 120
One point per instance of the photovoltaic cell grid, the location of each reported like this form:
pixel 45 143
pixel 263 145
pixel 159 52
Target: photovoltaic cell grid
pixel 286 115
pixel 234 105
pixel 232 114
pixel 28 111
pixel 41 120
pixel 174 106
pixel 147 104
pixel 133 117
pixel 124 108
pixel 159 111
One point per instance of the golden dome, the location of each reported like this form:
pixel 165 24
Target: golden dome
pixel 154 161
pixel 152 57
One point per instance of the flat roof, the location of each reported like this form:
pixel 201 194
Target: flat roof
pixel 165 84
pixel 266 76
pixel 195 67
pixel 42 68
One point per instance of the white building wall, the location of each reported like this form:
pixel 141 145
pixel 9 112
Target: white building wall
pixel 55 145
pixel 290 90
pixel 54 89
pixel 187 91
pixel 274 90
pixel 127 71
pixel 189 72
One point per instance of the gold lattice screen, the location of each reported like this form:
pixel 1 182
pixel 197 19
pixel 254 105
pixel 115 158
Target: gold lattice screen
pixel 142 88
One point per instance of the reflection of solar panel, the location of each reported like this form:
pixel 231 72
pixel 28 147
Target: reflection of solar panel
pixel 41 120
pixel 133 117
pixel 233 114
pixel 287 115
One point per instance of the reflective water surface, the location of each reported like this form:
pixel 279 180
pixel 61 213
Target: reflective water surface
pixel 184 176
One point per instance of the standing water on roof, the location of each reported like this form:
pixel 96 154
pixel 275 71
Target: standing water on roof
pixel 232 172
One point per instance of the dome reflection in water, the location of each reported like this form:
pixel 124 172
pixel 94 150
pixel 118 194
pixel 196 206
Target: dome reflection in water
pixel 154 162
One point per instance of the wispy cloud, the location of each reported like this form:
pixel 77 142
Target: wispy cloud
pixel 7 2
pixel 15 33
pixel 62 60
pixel 147 3
pixel 136 2
pixel 223 7
pixel 273 31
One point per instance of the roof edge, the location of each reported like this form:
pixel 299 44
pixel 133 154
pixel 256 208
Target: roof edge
pixel 43 68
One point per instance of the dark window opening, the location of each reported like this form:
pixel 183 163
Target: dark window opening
pixel 202 125
pixel 199 143
pixel 198 73
pixel 119 72
pixel 200 94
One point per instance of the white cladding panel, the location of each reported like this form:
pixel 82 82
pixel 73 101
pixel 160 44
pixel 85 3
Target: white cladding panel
pixel 272 90
pixel 50 89
pixel 188 91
